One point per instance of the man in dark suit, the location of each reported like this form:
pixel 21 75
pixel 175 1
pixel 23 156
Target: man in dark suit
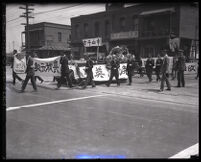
pixel 130 68
pixel 149 67
pixel 89 72
pixel 180 69
pixel 159 63
pixel 114 70
pixel 30 74
pixel 165 72
pixel 64 72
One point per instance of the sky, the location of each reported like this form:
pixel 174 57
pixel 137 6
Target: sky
pixel 55 13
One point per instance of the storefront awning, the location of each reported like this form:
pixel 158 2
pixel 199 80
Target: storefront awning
pixel 157 11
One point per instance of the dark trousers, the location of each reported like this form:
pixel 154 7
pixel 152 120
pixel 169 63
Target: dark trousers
pixel 180 78
pixel 15 76
pixel 130 74
pixel 114 74
pixel 39 78
pixel 165 79
pixel 149 74
pixel 63 79
pixel 174 73
pixel 33 82
pixel 157 70
pixel 140 71
pixel 89 80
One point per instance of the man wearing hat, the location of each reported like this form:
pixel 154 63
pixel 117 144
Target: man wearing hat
pixel 130 67
pixel 181 68
pixel 149 67
pixel 89 66
pixel 114 70
pixel 30 74
pixel 165 72
pixel 64 72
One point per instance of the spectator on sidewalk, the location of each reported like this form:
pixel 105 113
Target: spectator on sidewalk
pixel 114 70
pixel 149 67
pixel 14 74
pixel 89 72
pixel 159 63
pixel 130 68
pixel 36 76
pixel 64 72
pixel 165 72
pixel 181 68
pixel 30 74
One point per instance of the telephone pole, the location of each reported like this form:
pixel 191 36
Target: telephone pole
pixel 26 15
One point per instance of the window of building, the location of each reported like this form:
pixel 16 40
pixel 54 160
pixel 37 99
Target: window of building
pixel 97 29
pixel 59 37
pixel 86 30
pixel 77 31
pixel 135 22
pixel 107 28
pixel 122 23
pixel 69 37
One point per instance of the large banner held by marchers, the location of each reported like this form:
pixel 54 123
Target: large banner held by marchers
pixel 51 67
pixel 47 66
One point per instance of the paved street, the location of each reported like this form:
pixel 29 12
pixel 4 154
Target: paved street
pixel 134 121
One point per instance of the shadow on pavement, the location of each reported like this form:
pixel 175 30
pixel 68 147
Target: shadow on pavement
pixel 152 90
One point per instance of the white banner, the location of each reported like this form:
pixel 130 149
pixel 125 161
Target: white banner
pixel 101 73
pixel 19 65
pixel 47 66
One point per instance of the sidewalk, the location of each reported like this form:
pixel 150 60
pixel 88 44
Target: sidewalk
pixel 140 88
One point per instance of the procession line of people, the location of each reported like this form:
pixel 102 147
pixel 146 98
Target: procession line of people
pixel 67 75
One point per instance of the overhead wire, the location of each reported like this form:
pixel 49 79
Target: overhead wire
pixel 43 12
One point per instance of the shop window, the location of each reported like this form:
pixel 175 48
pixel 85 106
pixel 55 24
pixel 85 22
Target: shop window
pixel 97 29
pixel 107 28
pixel 86 29
pixel 122 23
pixel 59 37
pixel 77 35
pixel 135 22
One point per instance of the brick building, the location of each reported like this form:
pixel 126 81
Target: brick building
pixel 49 39
pixel 144 27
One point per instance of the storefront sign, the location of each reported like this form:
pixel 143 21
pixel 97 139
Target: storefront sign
pixel 92 42
pixel 124 35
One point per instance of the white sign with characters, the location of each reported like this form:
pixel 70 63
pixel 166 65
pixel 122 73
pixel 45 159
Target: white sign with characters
pixel 19 65
pixel 92 42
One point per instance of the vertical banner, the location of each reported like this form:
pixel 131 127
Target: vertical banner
pixel 19 65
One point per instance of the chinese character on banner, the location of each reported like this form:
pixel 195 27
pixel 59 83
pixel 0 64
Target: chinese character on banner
pixel 122 70
pixel 99 72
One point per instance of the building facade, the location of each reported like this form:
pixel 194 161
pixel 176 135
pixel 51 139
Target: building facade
pixel 144 28
pixel 48 39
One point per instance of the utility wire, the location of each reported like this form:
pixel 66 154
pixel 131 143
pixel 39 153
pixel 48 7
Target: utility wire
pixel 43 12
